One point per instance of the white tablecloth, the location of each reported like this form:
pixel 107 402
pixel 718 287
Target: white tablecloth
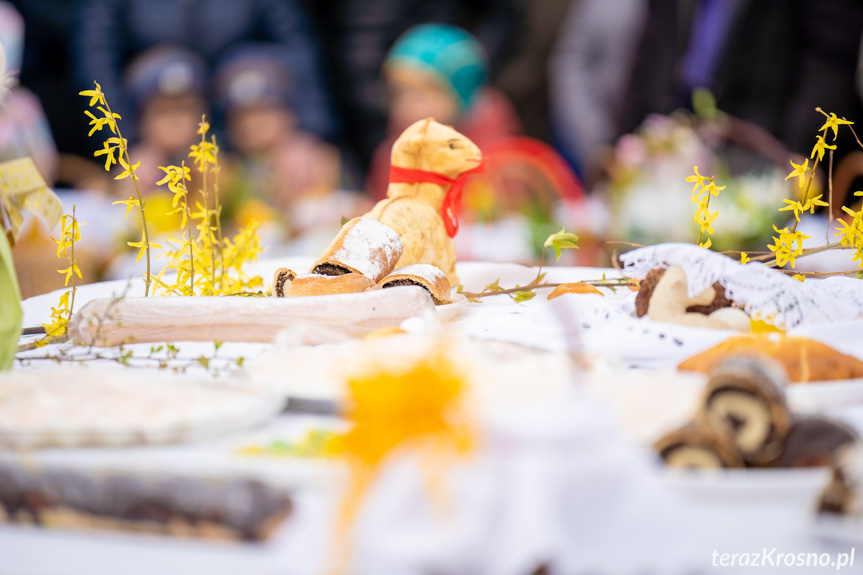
pixel 556 482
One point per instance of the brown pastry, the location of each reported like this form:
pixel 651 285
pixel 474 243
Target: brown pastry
pixel 282 277
pixel 645 291
pixel 239 509
pixel 697 447
pixel 363 246
pixel 315 284
pixel 813 442
pixel 803 359
pixel 744 402
pixel 424 275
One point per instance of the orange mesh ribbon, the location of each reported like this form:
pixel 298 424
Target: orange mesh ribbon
pixel 452 200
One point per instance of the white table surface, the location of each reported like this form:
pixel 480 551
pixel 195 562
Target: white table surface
pixel 557 482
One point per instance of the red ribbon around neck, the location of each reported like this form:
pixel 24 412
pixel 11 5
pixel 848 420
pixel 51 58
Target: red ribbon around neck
pixel 452 200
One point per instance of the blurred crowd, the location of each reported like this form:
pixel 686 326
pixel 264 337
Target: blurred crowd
pixel 307 97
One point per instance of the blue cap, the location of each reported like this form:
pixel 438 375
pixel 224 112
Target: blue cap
pixel 165 70
pixel 257 74
pixel 448 52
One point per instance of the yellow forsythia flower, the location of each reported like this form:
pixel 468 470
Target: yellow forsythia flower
pixel 819 148
pixel 832 123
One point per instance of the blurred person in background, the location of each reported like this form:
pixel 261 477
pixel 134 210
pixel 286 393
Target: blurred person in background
pixel 278 166
pixel 677 49
pixel 24 129
pixel 848 177
pixel 46 71
pixel 525 74
pixel 730 86
pixel 440 71
pixel 356 36
pixel 25 133
pixel 769 62
pixel 111 33
pixel 590 67
pixel 167 85
pixel 784 58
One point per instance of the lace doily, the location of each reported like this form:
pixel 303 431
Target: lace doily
pixel 755 287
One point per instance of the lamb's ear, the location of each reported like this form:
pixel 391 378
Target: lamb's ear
pixel 412 139
pixel 409 144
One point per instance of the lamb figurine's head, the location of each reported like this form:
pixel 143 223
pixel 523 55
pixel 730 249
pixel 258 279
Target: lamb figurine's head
pixel 431 146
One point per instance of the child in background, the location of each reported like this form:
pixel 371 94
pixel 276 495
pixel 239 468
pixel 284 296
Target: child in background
pixel 440 71
pixel 279 166
pixel 167 85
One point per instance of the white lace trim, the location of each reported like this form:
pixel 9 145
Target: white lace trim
pixel 755 287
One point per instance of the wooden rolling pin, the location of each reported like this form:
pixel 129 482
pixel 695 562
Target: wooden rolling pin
pixel 109 322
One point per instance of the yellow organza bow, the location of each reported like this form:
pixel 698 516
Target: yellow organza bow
pixel 23 189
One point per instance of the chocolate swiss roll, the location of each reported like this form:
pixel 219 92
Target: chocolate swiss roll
pixel 745 403
pixel 813 442
pixel 697 447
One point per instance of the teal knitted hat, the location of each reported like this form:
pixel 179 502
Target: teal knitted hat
pixel 448 52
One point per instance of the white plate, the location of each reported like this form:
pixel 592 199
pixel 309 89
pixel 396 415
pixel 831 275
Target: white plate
pixel 454 310
pixel 78 406
pixel 820 396
pixel 800 488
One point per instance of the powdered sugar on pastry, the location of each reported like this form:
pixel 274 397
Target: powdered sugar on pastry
pixel 370 247
pixel 426 271
pixel 426 275
pixel 364 246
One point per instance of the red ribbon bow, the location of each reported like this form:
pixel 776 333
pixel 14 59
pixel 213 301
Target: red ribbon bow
pixel 452 200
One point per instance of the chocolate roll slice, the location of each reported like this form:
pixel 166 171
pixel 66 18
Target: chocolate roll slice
pixel 813 442
pixel 281 279
pixel 315 284
pixel 697 447
pixel 424 275
pixel 744 402
pixel 364 246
